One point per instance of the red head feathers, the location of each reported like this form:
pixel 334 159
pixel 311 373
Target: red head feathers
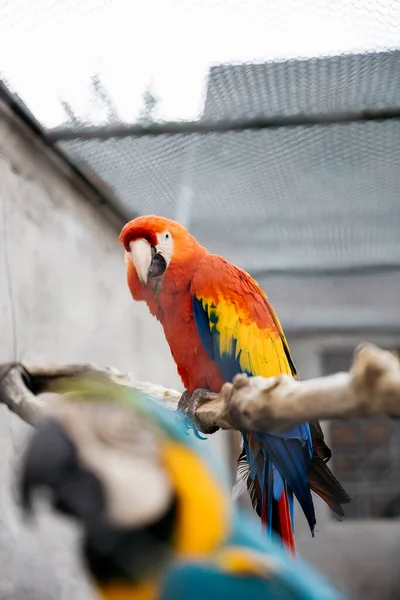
pixel 160 253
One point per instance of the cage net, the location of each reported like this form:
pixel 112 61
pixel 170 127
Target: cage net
pixel 314 197
pixel 285 198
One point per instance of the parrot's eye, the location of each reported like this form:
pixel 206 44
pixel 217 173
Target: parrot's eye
pixel 167 235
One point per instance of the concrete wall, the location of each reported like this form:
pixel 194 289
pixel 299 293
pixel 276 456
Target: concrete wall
pixel 66 286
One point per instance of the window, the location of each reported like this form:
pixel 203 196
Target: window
pixel 366 455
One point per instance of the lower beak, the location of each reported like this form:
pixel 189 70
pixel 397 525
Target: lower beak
pixel 141 255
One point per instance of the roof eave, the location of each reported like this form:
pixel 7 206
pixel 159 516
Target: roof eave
pixel 88 182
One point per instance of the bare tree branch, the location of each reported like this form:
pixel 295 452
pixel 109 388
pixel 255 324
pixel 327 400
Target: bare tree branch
pixel 21 385
pixel 15 393
pixel 371 388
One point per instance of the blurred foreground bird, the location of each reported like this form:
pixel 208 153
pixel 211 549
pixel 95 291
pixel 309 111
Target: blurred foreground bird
pixel 155 508
pixel 218 322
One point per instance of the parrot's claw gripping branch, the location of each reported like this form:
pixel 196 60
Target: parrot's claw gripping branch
pixel 371 388
pixel 190 403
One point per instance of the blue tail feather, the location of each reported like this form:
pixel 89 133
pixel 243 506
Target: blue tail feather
pixel 290 453
pixel 268 488
pixel 278 483
pixel 286 459
pixel 291 506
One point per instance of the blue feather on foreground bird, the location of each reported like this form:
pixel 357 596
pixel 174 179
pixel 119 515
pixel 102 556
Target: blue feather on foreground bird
pixel 154 505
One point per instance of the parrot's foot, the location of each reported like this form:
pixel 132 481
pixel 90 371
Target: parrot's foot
pixel 189 403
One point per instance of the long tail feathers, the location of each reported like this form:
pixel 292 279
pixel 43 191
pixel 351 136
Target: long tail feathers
pixel 272 498
pixel 323 482
pixel 285 522
pixel 321 479
pixel 265 503
pixel 276 515
pixel 279 513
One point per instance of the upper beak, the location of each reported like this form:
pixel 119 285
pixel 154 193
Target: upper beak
pixel 141 255
pixel 51 462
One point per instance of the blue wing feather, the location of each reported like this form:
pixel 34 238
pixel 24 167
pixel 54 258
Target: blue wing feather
pixel 228 364
pixel 203 327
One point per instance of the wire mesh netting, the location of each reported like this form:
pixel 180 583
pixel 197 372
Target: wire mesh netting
pixel 306 197
pixel 270 200
pixel 286 198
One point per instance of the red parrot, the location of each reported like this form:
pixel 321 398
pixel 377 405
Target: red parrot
pixel 218 322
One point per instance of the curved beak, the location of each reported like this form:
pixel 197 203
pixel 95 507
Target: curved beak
pixel 51 462
pixel 141 255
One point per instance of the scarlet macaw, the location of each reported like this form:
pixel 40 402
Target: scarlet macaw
pixel 154 505
pixel 218 322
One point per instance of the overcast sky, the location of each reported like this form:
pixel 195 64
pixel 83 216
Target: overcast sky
pixel 50 48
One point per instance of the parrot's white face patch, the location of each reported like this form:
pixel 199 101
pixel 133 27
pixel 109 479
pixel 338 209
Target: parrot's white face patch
pixel 165 246
pixel 151 262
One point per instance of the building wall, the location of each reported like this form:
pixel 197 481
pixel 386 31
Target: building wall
pixel 363 303
pixel 67 287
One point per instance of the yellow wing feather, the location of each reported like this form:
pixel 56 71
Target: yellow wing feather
pixel 244 326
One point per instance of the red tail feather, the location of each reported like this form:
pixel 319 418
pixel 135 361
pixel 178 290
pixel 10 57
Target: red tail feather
pixel 285 522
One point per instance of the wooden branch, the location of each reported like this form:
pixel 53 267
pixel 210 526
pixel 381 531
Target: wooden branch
pixel 45 377
pixel 15 393
pixel 22 384
pixel 371 388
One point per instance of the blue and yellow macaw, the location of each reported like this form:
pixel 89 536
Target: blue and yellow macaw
pixel 154 504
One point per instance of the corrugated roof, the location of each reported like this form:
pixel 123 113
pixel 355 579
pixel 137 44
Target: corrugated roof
pixel 324 85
